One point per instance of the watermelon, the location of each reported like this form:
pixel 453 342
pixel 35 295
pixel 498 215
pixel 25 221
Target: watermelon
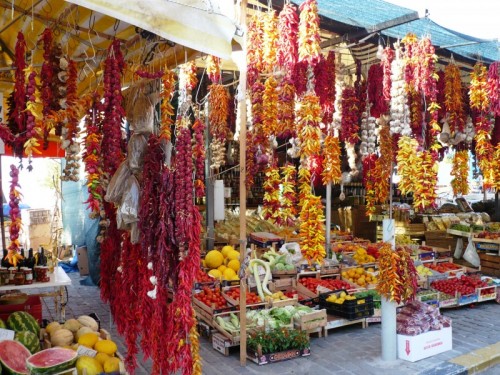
pixel 22 321
pixel 29 340
pixel 52 361
pixel 13 356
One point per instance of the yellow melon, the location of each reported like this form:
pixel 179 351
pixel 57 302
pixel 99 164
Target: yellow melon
pixel 229 274
pixel 214 259
pixel 102 358
pixel 112 365
pixel 216 274
pixel 91 365
pixel 88 339
pixel 226 249
pixel 234 265
pixel 106 346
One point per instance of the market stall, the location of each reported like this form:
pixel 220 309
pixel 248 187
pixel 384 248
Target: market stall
pixel 306 126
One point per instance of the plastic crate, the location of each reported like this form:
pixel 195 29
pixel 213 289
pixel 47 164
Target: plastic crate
pixel 32 305
pixel 351 309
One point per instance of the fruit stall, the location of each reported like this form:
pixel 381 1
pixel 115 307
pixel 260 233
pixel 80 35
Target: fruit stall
pixel 219 168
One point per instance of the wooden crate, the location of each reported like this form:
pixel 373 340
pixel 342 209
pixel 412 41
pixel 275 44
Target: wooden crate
pixel 312 321
pixel 490 264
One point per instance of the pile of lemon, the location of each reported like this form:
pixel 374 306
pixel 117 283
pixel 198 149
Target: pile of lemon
pixel 223 264
pixel 362 257
pixel 340 298
pixel 359 276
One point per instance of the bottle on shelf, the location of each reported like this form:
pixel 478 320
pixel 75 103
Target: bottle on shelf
pixel 30 261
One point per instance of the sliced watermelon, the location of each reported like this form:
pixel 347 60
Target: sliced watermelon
pixel 52 361
pixel 13 356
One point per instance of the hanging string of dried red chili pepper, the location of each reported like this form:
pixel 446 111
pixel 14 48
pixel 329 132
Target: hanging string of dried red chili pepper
pixel 255 36
pixel 324 73
pixel 113 110
pixel 378 104
pixel 199 157
pixel 350 116
pixel 288 26
pixel 286 108
pixel 387 57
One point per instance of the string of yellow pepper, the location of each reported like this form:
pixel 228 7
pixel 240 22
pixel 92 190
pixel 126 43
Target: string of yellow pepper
pixel 460 171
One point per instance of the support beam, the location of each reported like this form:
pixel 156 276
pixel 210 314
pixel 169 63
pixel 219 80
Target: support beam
pixel 371 29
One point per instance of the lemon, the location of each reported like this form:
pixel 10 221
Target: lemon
pixel 106 346
pixel 229 274
pixel 215 274
pixel 234 265
pixel 226 250
pixel 214 259
pixel 222 268
pixel 112 365
pixel 88 340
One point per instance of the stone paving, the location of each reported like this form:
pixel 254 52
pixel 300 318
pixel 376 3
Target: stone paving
pixel 347 350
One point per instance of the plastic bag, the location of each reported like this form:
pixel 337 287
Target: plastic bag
pixel 470 254
pixel 142 114
pixel 135 150
pixel 118 184
pixel 292 251
pixel 129 208
pixel 134 233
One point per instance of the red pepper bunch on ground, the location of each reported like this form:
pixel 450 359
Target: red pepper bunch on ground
pixel 350 116
pixel 387 57
pixel 15 228
pixel 270 107
pixel 288 29
pixel 92 159
pixel 113 110
pixel 286 108
pixel 493 87
pixel 309 33
pixel 270 41
pixel 255 37
pixel 199 157
pixel 167 110
pixel 453 100
pixel 213 68
pixel 324 73
pixel 376 98
pixel 271 201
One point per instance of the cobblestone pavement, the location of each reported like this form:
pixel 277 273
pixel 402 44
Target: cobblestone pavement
pixel 347 350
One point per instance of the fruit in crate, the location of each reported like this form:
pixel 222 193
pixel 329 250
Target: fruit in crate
pixel 111 365
pixel 88 339
pixel 359 276
pixel 312 283
pixel 88 321
pixel 251 297
pixel 203 277
pixel 278 296
pixel 445 267
pixel 13 356
pixel 423 270
pixel 91 365
pixel 52 361
pixel 72 324
pixel 29 340
pixel 362 257
pixel 106 346
pixel 22 321
pixel 82 331
pixel 488 235
pixel 61 337
pixel 52 327
pixel 214 259
pixel 215 274
pixel 212 297
pixel 464 285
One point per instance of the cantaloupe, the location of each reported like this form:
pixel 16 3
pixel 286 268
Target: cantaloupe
pixel 88 321
pixel 82 331
pixel 72 324
pixel 62 337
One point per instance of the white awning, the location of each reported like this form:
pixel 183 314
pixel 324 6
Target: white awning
pixel 203 25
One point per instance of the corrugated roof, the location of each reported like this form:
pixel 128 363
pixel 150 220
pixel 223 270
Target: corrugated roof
pixel 364 14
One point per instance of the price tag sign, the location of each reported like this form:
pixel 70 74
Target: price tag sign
pixel 6 334
pixel 84 351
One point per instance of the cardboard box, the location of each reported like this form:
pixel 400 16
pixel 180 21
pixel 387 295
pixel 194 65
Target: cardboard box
pixel 415 348
pixel 83 261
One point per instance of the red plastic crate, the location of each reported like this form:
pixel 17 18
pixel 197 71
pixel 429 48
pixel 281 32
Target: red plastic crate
pixel 32 305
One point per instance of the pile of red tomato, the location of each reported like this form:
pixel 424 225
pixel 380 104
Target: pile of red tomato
pixel 464 285
pixel 202 277
pixel 234 293
pixel 212 298
pixel 312 283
